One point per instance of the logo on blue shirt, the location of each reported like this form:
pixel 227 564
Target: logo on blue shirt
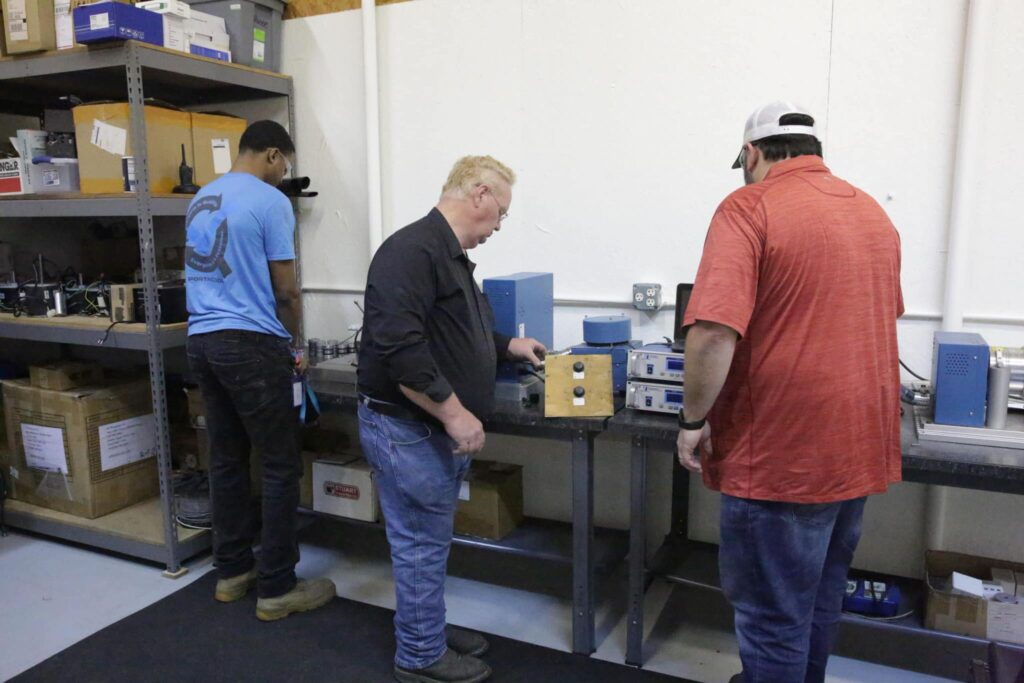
pixel 214 258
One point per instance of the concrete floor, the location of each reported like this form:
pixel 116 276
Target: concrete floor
pixel 53 595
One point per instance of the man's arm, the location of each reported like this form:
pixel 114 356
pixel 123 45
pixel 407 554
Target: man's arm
pixel 461 425
pixel 709 351
pixel 287 296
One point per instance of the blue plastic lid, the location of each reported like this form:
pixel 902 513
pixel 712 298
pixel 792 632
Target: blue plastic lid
pixel 607 329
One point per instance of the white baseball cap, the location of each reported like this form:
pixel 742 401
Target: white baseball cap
pixel 764 123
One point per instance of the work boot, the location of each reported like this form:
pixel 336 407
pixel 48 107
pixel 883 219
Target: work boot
pixel 465 642
pixel 306 595
pixel 737 678
pixel 235 588
pixel 451 668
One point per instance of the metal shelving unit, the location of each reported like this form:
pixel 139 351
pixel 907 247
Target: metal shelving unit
pixel 88 206
pixel 133 71
pixel 907 642
pixel 90 332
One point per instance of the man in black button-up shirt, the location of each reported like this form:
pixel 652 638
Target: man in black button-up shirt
pixel 427 369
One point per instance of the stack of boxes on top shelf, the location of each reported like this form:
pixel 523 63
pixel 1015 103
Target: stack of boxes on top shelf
pixel 247 32
pixel 45 161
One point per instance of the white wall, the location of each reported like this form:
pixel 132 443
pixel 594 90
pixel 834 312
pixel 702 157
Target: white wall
pixel 621 119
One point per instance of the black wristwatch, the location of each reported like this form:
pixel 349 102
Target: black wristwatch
pixel 691 426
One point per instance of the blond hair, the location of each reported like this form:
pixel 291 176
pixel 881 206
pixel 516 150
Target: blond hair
pixel 471 171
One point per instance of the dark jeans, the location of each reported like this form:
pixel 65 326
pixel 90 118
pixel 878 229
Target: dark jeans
pixel 784 568
pixel 246 382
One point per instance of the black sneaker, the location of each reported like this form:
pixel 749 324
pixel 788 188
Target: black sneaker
pixel 465 642
pixel 451 668
pixel 737 678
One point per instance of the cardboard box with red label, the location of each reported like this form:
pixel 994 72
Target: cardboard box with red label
pixel 345 489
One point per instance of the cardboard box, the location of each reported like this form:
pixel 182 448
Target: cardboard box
pixel 205 25
pixel 200 50
pixel 29 26
pixel 215 139
pixel 122 303
pixel 103 133
pixel 174 14
pixel 196 407
pixel 65 374
pixel 172 7
pixel 345 489
pixel 968 614
pixel 86 451
pixel 80 3
pixel 490 500
pixel 104 21
pixel 14 177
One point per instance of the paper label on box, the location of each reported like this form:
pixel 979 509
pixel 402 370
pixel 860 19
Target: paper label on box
pixel 44 447
pixel 127 441
pixel 51 178
pixel 98 22
pixel 464 491
pixel 221 155
pixel 578 375
pixel 1005 622
pixel 65 24
pixel 112 139
pixel 579 401
pixel 257 51
pixel 17 20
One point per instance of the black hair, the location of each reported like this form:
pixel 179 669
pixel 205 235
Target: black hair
pixel 263 135
pixel 776 147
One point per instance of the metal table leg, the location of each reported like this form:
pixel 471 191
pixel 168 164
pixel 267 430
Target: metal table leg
pixel 637 550
pixel 582 542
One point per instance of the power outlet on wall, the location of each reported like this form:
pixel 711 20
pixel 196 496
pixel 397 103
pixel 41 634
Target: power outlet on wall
pixel 646 296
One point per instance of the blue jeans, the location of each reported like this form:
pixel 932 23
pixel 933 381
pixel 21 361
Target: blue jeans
pixel 418 480
pixel 784 568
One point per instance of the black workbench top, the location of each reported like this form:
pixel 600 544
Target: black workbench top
pixel 334 384
pixel 949 464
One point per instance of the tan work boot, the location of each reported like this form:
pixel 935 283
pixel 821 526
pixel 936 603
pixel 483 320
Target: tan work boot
pixel 235 588
pixel 305 596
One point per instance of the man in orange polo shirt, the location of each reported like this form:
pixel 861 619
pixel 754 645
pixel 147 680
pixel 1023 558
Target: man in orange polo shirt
pixel 792 388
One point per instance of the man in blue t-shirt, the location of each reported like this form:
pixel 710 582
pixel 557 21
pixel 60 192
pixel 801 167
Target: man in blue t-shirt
pixel 244 312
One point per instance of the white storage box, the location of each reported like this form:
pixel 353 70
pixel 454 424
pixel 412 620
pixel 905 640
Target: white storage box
pixel 345 489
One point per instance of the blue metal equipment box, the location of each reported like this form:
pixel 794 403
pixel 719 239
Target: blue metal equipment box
pixel 960 363
pixel 104 21
pixel 523 305
pixel 609 334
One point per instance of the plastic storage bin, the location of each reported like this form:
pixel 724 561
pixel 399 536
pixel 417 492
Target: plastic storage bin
pixel 254 27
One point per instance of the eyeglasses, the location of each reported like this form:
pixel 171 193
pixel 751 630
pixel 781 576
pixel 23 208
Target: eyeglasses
pixel 287 164
pixel 502 213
